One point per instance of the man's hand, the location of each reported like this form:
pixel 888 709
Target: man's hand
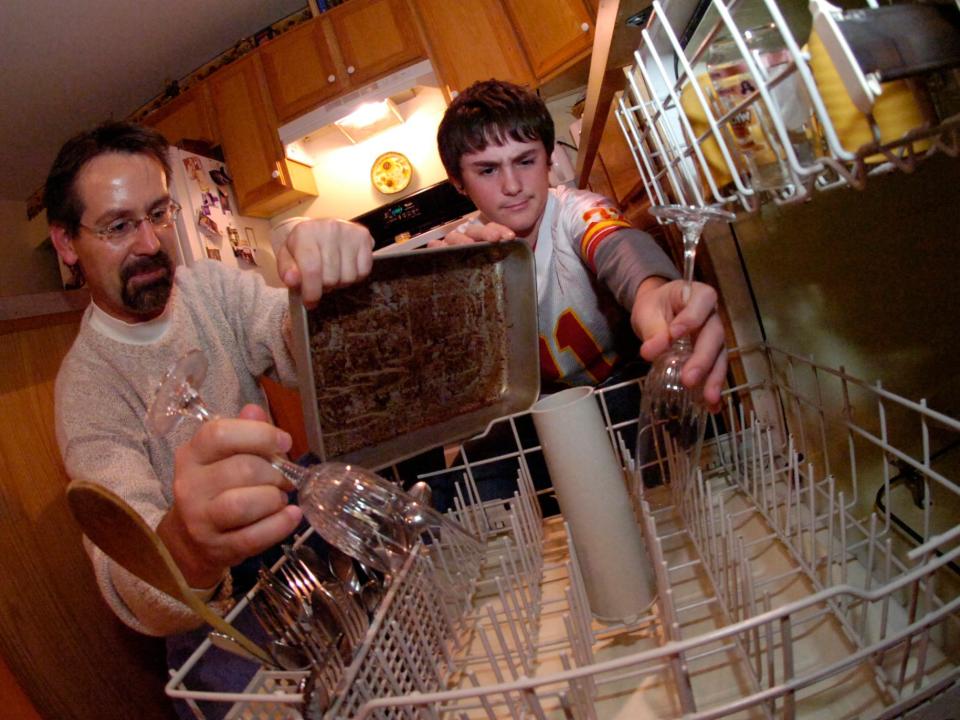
pixel 321 255
pixel 229 502
pixel 476 232
pixel 659 317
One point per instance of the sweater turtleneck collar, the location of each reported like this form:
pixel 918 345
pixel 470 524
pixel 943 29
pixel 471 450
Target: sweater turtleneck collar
pixel 141 333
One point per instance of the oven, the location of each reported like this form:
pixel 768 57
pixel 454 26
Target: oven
pixel 412 221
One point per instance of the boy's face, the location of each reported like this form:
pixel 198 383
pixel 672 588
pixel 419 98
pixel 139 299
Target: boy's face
pixel 508 183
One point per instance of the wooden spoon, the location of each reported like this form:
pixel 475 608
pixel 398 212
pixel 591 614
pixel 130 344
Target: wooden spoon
pixel 114 527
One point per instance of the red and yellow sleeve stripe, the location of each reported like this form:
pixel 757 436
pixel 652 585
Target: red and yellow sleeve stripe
pixel 601 223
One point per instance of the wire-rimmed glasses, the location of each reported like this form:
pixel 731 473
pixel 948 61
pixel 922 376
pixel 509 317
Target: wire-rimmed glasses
pixel 118 230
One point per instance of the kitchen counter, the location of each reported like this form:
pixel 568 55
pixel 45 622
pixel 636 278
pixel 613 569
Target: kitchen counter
pixel 21 312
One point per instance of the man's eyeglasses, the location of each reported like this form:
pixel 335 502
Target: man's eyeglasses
pixel 124 228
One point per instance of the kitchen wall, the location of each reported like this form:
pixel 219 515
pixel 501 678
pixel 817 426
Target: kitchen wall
pixel 27 263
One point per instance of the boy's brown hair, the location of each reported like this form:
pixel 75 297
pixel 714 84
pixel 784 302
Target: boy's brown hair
pixel 491 112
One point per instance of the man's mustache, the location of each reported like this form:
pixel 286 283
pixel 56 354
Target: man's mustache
pixel 159 261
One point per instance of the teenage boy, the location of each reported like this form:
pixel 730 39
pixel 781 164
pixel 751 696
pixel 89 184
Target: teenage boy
pixel 600 282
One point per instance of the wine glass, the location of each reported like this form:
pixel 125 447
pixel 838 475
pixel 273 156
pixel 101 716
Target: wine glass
pixel 665 398
pixel 353 509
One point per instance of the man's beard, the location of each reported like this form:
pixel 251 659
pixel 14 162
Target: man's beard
pixel 151 298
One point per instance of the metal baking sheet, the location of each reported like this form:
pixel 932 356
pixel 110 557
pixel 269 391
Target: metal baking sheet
pixel 434 346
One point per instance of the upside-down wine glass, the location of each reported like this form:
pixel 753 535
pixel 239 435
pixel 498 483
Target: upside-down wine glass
pixel 353 509
pixel 666 399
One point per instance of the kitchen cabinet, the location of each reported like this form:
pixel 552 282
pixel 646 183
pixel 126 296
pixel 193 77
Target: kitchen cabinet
pixel 186 117
pixel 614 42
pixel 472 40
pixel 374 37
pixel 300 70
pixel 264 180
pixel 555 33
pixel 340 50
pixel 62 650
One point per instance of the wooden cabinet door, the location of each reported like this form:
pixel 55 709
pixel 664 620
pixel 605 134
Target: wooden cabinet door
pixel 555 33
pixel 472 40
pixel 300 70
pixel 263 179
pixel 186 117
pixel 69 654
pixel 374 37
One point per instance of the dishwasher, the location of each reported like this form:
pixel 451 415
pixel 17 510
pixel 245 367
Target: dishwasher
pixel 806 559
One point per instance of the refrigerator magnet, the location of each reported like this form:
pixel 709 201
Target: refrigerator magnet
pixel 208 228
pixel 220 177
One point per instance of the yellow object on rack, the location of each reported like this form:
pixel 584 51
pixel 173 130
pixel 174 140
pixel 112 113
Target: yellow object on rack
pixel 697 115
pixel 896 111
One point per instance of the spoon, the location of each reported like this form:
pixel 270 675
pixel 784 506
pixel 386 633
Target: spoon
pixel 289 657
pixel 422 493
pixel 114 527
pixel 341 568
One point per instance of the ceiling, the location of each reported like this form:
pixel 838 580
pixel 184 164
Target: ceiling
pixel 68 65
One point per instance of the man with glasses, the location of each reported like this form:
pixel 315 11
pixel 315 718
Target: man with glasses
pixel 210 492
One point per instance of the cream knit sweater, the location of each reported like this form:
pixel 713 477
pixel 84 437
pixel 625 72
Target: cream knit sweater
pixel 105 387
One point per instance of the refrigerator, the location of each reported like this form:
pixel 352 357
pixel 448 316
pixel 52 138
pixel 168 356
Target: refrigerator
pixel 209 226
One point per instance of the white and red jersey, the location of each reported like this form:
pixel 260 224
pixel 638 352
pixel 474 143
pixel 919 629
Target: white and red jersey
pixel 579 317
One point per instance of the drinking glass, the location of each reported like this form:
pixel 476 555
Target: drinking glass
pixel 665 398
pixel 353 509
pixel 752 128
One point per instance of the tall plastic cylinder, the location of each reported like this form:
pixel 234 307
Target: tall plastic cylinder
pixel 593 498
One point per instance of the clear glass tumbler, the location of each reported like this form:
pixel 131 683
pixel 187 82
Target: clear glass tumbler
pixel 752 129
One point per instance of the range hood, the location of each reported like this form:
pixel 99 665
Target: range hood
pixel 396 84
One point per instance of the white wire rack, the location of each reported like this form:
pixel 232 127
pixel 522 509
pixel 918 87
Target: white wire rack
pixel 669 138
pixel 782 591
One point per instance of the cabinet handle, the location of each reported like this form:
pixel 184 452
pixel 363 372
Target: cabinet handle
pixel 331 78
pixel 351 70
pixel 275 174
pixel 585 27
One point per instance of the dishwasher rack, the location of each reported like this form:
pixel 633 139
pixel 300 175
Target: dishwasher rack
pixel 675 131
pixel 781 591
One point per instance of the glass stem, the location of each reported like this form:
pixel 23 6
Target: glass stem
pixel 691 236
pixel 290 470
pixel 194 407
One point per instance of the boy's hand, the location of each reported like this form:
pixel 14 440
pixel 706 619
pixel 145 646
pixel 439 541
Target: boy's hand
pixel 659 317
pixel 476 232
pixel 321 255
